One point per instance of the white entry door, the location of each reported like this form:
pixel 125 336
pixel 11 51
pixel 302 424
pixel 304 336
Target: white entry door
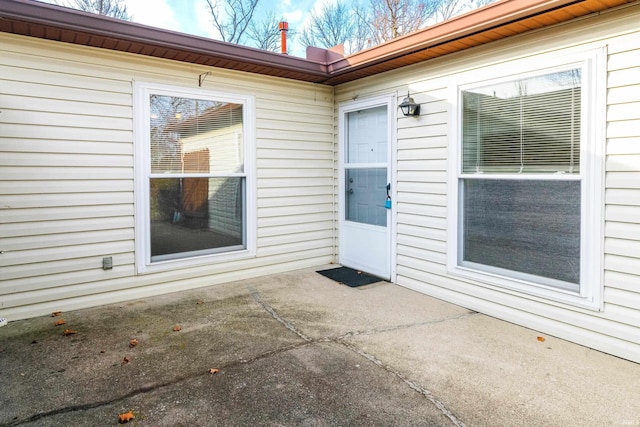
pixel 365 186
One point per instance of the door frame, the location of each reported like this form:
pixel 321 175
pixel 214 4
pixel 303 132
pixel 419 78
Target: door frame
pixel 390 100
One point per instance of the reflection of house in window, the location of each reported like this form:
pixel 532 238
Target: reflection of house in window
pixel 195 191
pixel 197 183
pixel 212 143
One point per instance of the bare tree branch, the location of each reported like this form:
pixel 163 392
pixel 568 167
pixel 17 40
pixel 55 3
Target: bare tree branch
pixel 389 19
pixel 232 18
pixel 447 9
pixel 112 8
pixel 331 26
pixel 266 33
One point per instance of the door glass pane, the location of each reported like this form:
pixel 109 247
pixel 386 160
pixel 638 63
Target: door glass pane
pixel 531 227
pixel 365 194
pixel 195 214
pixel 367 136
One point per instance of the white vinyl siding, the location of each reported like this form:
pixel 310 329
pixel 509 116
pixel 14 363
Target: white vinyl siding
pixel 67 176
pixel 422 175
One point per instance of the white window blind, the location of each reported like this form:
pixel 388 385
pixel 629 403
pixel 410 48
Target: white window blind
pixel 181 127
pixel 530 125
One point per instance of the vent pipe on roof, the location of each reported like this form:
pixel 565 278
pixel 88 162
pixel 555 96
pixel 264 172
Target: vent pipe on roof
pixel 284 27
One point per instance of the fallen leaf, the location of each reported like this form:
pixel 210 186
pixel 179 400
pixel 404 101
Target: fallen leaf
pixel 133 343
pixel 125 360
pixel 69 332
pixel 177 328
pixel 541 339
pixel 200 302
pixel 56 313
pixel 59 322
pixel 126 417
pixel 213 371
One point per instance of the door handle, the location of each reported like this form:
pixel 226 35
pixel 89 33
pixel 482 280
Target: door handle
pixel 387 203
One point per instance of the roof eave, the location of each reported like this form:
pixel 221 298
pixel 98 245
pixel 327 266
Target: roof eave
pixel 486 18
pixel 73 20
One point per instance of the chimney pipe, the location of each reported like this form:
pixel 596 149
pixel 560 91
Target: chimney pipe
pixel 284 27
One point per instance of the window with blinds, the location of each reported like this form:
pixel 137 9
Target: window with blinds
pixel 527 229
pixel 197 181
pixel 531 125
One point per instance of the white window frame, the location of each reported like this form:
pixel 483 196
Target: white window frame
pixel 142 143
pixel 592 152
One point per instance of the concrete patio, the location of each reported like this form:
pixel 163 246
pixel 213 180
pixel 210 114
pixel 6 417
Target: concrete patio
pixel 300 349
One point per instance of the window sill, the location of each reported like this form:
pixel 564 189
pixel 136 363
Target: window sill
pixel 587 299
pixel 195 261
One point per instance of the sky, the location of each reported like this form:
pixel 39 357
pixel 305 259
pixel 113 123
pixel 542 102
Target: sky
pixel 194 17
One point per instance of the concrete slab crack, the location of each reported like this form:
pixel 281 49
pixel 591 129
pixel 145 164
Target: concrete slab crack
pixel 149 388
pixel 342 340
pixel 256 296
pixel 404 326
pixel 412 384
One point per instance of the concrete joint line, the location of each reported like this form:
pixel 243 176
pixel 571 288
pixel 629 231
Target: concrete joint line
pixel 256 296
pixel 147 389
pixel 405 326
pixel 341 340
pixel 412 384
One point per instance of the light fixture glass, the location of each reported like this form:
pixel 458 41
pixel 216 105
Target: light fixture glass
pixel 409 107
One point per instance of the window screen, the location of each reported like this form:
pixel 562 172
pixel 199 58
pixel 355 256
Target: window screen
pixel 523 228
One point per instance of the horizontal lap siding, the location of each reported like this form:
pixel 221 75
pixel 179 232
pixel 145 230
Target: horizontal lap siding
pixel 295 170
pixel 66 173
pixel 622 194
pixel 422 174
pixel 422 191
pixel 67 168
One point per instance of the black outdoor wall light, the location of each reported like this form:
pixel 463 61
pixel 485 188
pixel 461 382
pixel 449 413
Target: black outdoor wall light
pixel 409 107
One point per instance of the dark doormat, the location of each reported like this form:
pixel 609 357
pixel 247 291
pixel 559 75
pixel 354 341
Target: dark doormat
pixel 349 276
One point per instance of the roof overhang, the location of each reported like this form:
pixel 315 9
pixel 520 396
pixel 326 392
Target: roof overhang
pixel 503 19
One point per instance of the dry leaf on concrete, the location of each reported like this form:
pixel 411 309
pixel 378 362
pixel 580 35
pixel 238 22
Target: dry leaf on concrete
pixel 125 360
pixel 177 328
pixel 213 370
pixel 56 313
pixel 69 332
pixel 59 322
pixel 541 339
pixel 133 343
pixel 126 417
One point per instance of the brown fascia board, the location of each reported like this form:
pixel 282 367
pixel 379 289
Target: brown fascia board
pixel 323 68
pixel 484 19
pixel 63 18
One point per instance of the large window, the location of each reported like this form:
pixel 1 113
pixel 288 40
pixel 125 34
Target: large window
pixel 193 183
pixel 525 214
